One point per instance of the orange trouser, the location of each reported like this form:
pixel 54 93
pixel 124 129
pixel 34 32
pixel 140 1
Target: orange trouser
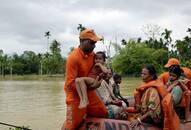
pixel 74 115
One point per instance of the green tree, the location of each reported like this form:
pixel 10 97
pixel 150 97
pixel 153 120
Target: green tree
pixel 167 42
pixel 131 58
pixel 160 57
pixel 3 63
pixel 134 56
pixel 18 64
pixel 47 35
pixel 10 65
pixel 184 48
pixel 31 62
pixel 53 61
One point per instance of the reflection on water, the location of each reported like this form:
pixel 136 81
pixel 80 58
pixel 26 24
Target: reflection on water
pixel 39 104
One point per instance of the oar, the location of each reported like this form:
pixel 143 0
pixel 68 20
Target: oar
pixel 15 126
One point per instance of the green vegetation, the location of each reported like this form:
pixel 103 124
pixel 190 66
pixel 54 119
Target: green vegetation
pixel 128 85
pixel 30 63
pixel 20 128
pixel 134 54
pixel 14 127
pixel 128 59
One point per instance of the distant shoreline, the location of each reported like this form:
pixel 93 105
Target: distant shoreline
pixel 58 77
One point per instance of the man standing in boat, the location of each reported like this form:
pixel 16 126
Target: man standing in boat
pixel 79 64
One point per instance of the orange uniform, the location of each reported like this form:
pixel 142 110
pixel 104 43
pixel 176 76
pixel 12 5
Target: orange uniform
pixel 185 101
pixel 187 72
pixel 79 65
pixel 165 76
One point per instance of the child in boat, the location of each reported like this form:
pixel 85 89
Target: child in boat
pixel 116 88
pixel 84 83
pixel 176 86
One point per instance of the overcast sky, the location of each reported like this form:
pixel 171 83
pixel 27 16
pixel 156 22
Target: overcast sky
pixel 24 22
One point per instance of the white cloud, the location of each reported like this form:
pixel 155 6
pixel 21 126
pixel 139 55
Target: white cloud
pixel 24 22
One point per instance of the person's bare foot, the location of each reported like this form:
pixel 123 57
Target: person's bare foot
pixel 83 104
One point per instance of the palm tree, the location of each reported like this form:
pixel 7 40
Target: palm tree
pixel 123 42
pixel 81 27
pixel 47 34
pixel 167 39
pixel 55 47
pixel 189 30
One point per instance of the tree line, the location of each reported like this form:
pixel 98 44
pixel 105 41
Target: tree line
pixel 131 55
pixel 31 63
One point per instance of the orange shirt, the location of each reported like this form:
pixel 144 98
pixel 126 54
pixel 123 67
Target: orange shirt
pixel 187 72
pixel 164 77
pixel 77 65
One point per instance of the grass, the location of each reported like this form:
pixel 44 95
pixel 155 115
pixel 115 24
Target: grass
pixel 128 85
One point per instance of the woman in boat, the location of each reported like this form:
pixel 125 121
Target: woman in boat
pixel 150 103
pixel 153 103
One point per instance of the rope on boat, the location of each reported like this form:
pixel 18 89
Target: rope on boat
pixel 22 128
pixel 186 121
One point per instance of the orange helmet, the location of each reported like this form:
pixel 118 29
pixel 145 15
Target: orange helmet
pixel 187 72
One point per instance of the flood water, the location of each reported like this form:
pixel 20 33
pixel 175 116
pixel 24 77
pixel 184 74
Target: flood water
pixel 39 104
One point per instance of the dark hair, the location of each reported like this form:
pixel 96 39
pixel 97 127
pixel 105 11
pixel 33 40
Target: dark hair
pixel 176 70
pixel 103 54
pixel 116 76
pixel 152 71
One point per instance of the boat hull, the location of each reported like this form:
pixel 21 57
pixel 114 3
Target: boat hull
pixel 113 124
